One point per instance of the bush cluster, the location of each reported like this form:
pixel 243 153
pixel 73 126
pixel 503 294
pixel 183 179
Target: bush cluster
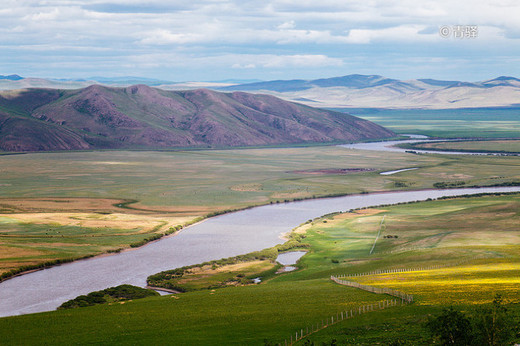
pixel 118 293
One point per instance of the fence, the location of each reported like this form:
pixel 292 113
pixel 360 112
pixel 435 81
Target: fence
pixel 340 316
pixel 406 298
pixel 405 270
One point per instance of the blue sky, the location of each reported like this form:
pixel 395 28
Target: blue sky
pixel 207 40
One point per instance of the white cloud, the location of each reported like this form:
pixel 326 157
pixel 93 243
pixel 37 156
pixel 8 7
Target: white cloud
pixel 286 25
pixel 250 34
pixel 163 37
pixel 403 33
pixel 300 61
pixel 246 66
pixel 238 61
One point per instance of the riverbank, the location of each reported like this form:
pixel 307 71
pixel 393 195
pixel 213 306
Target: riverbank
pixel 220 237
pixel 429 233
pixel 51 223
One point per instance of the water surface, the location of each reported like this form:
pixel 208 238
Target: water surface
pixel 289 258
pixel 222 236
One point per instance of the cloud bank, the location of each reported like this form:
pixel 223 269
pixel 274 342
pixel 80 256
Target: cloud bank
pixel 215 39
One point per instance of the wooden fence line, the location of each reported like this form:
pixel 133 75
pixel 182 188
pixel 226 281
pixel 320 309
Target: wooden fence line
pixel 403 298
pixel 406 298
pixel 340 316
pixel 404 270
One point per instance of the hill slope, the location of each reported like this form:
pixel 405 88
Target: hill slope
pixel 139 116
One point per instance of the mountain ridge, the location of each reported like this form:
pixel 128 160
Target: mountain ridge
pixel 139 116
pixel 375 91
pixel 350 91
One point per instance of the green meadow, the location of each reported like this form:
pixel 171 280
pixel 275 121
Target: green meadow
pixel 68 205
pixel 467 236
pixel 500 146
pixel 195 182
pixel 450 123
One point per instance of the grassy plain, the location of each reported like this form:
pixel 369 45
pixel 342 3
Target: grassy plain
pixel 503 146
pixel 483 231
pixel 212 276
pixel 28 239
pixel 449 123
pixel 73 204
pixel 199 182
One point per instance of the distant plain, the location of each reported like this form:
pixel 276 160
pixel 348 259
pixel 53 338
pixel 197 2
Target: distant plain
pixel 499 122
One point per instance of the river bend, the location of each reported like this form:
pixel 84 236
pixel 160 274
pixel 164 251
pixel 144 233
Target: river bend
pixel 222 236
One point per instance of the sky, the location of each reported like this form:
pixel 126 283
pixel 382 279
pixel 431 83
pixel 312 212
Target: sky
pixel 214 40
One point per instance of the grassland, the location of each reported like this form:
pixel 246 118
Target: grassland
pixel 31 239
pixel 200 182
pixel 75 204
pixel 448 123
pixel 482 231
pixel 212 276
pixel 501 146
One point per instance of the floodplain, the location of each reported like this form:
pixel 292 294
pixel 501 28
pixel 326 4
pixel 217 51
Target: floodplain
pixel 63 206
pixel 428 234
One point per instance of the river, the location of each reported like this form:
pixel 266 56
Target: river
pixel 393 146
pixel 222 236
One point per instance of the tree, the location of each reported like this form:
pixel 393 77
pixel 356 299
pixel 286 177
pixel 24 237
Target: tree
pixel 451 327
pixel 494 325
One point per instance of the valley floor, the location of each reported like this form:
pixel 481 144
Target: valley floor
pixel 474 241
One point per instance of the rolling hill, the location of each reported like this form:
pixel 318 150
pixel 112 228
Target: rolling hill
pixel 351 91
pixel 139 116
pixel 373 91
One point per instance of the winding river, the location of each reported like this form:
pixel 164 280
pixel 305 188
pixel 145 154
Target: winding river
pixel 393 146
pixel 222 236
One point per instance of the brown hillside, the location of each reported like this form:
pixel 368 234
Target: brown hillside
pixel 139 116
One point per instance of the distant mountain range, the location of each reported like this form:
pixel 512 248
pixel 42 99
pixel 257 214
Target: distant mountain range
pixel 373 91
pixel 139 116
pixel 14 82
pixel 352 91
pixel 12 77
pixel 357 81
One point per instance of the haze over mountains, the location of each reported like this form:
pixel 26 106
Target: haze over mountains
pixel 352 91
pixel 100 117
pixel 373 91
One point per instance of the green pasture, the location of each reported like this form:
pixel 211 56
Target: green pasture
pixel 501 146
pixel 28 244
pixel 193 182
pixel 447 123
pixel 476 231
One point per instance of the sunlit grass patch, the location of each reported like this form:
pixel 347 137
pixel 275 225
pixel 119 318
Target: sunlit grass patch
pixel 465 284
pixel 32 239
pixel 212 276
